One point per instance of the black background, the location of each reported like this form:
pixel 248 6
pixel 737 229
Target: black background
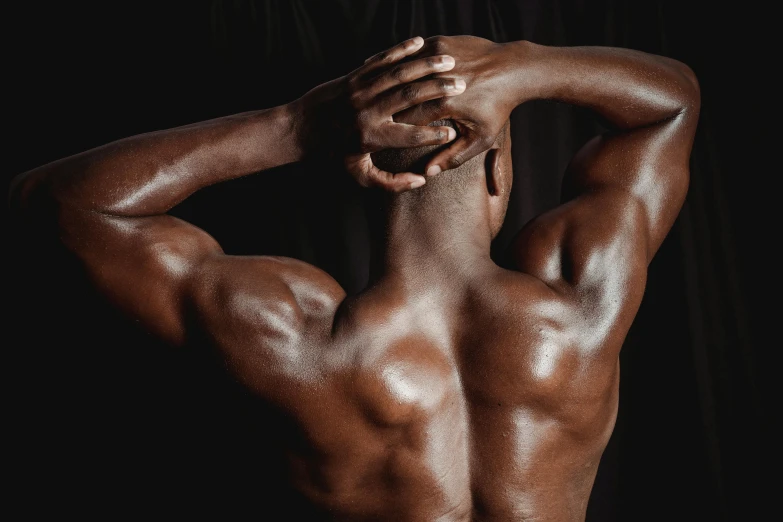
pixel 101 416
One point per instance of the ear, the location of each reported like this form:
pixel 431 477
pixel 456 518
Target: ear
pixel 492 168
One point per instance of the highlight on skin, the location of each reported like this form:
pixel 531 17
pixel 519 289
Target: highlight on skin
pixel 450 388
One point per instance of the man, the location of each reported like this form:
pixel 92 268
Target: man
pixel 450 389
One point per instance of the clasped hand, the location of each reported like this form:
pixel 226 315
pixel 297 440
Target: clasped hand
pixel 388 103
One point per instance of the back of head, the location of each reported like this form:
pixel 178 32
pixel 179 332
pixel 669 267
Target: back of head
pixel 479 187
pixel 415 160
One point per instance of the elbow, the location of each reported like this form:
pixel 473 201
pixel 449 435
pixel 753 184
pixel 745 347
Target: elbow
pixel 27 217
pixel 32 198
pixel 690 92
pixel 19 192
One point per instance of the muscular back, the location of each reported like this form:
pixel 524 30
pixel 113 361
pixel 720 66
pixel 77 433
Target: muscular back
pixel 489 396
pixel 473 393
pixel 491 399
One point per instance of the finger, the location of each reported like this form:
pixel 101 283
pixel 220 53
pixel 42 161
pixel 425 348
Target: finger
pixel 461 151
pixel 395 182
pixel 408 72
pixel 389 56
pixel 368 175
pixel 400 136
pixel 424 113
pixel 414 93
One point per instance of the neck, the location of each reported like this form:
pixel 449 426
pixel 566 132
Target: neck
pixel 434 240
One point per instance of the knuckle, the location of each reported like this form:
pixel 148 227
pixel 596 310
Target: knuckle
pixel 358 102
pixel 457 160
pixel 439 104
pixel 486 142
pixel 354 87
pixel 366 142
pixel 418 137
pixel 363 119
pixel 409 92
pixel 385 56
pixel 352 82
pixel 437 43
pixel 398 73
pixel 355 98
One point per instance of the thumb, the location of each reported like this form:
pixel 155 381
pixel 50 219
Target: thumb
pixel 361 167
pixel 465 148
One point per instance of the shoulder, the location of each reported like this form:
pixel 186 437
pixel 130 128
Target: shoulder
pixel 547 312
pixel 264 298
pixel 269 318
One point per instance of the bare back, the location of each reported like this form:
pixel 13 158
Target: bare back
pixel 452 389
pixel 408 408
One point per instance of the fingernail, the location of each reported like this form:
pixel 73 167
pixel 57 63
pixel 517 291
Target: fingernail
pixel 417 40
pixel 445 62
pixel 418 183
pixel 434 170
pixel 452 134
pixel 459 85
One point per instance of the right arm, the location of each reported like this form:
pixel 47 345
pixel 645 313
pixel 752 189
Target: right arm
pixel 623 189
pixel 651 106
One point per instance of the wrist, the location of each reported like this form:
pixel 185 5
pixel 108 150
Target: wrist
pixel 292 121
pixel 529 70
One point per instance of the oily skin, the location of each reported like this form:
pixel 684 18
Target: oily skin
pixel 450 389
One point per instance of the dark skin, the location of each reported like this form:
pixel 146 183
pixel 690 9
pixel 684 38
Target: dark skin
pixel 450 389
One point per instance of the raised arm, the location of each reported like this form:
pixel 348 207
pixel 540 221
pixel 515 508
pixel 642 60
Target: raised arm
pixel 637 172
pixel 622 191
pixel 108 205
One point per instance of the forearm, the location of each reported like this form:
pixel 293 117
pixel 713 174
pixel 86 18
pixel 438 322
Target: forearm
pixel 149 174
pixel 628 89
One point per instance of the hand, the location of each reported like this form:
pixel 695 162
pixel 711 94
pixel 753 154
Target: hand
pixel 353 114
pixel 493 91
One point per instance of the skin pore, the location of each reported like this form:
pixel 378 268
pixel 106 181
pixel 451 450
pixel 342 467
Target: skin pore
pixel 450 389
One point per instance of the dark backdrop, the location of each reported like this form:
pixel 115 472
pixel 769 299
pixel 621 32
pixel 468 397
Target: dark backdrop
pixel 101 416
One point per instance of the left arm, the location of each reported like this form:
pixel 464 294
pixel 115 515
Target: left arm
pixel 108 205
pixel 150 173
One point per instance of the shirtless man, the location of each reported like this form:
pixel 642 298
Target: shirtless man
pixel 450 389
